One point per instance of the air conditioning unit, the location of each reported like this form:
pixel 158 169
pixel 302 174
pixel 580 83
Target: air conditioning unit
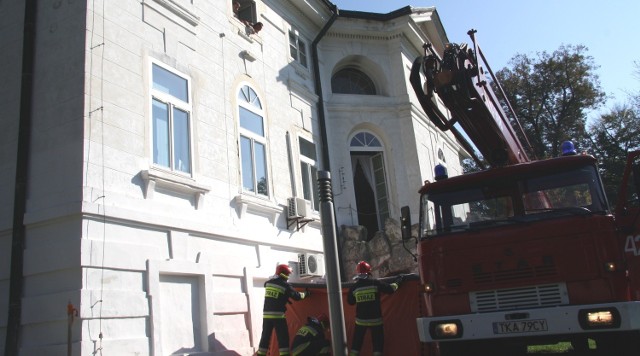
pixel 297 207
pixel 310 264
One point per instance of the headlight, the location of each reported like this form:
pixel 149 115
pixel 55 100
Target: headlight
pixel 428 287
pixel 600 318
pixel 607 318
pixel 610 267
pixel 446 329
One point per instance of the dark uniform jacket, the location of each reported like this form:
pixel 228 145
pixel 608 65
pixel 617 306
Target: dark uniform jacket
pixel 276 295
pixel 365 294
pixel 310 340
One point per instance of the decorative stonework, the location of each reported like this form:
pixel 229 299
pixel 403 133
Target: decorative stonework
pixel 178 10
pixel 156 178
pixel 384 251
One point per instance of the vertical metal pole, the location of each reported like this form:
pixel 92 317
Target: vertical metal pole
pixel 334 290
pixel 16 277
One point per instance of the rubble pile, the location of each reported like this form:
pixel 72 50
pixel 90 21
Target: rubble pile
pixel 384 251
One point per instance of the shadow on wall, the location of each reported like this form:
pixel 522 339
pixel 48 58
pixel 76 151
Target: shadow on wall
pixel 219 348
pixel 216 348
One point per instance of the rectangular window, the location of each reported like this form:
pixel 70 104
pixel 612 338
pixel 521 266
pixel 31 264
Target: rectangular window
pixel 309 172
pixel 254 166
pixel 298 48
pixel 160 114
pixel 251 121
pixel 171 120
pixel 253 143
pixel 247 164
pixel 245 11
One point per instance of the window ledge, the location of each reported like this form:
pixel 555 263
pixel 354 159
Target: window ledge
pixel 299 69
pixel 246 31
pixel 157 178
pixel 247 203
pixel 247 35
pixel 302 91
pixel 179 10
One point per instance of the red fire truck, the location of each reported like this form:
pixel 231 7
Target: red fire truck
pixel 524 251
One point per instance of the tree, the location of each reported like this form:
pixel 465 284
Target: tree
pixel 551 95
pixel 614 135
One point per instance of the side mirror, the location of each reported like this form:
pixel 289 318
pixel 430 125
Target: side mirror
pixel 405 223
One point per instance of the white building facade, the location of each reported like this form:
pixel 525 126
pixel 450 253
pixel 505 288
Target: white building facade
pixel 152 152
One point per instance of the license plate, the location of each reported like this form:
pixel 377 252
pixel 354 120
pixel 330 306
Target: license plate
pixel 519 326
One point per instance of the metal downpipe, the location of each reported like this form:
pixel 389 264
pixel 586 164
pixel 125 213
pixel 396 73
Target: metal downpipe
pixel 318 88
pixel 16 279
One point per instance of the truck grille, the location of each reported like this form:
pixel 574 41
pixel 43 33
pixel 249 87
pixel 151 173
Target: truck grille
pixel 518 298
pixel 480 277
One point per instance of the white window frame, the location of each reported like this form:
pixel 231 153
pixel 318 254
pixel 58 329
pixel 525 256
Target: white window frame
pixel 172 103
pixel 309 166
pixel 367 141
pixel 253 138
pixel 295 46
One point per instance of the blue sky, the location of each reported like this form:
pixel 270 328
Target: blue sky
pixel 506 27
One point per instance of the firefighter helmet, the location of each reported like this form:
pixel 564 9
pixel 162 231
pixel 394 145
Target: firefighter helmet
pixel 363 267
pixel 283 270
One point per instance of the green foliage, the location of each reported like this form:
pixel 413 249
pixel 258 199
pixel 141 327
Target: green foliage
pixel 469 165
pixel 551 96
pixel 613 136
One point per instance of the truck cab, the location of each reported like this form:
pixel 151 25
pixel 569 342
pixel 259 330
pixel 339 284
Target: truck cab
pixel 529 254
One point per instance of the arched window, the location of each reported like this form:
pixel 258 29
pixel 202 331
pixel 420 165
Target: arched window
pixel 441 157
pixel 369 181
pixel 253 142
pixel 365 141
pixel 352 81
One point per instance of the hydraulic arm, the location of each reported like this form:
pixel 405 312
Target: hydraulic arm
pixel 460 82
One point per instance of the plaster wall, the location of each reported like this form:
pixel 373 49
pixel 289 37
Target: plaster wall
pixel 158 262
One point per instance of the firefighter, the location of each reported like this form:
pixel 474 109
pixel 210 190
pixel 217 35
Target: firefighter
pixel 365 294
pixel 309 340
pixel 276 296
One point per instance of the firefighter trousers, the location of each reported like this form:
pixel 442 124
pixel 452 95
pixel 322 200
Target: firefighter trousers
pixel 377 337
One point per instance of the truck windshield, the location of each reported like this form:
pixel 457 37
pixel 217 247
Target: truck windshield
pixel 512 200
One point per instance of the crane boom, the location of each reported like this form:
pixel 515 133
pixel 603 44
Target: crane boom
pixel 460 82
pixel 497 249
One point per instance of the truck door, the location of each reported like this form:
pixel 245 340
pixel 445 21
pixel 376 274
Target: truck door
pixel 628 220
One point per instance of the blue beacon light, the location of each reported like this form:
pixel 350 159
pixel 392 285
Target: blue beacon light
pixel 440 172
pixel 568 149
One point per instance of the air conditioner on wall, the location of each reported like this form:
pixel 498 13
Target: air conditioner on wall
pixel 296 207
pixel 310 265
